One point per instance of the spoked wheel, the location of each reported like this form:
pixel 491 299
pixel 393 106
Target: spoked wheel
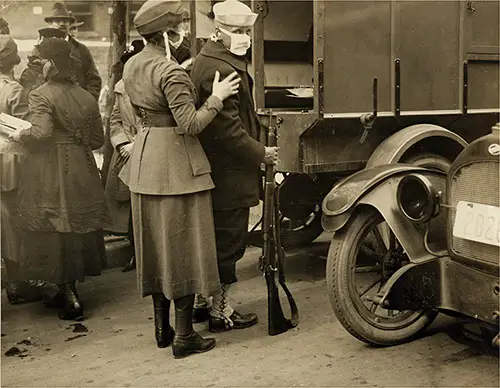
pixel 362 257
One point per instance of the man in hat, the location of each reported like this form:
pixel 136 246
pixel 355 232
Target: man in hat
pixel 86 71
pixel 73 28
pixel 235 154
pixel 13 102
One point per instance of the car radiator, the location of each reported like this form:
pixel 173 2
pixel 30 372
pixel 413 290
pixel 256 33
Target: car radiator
pixel 479 183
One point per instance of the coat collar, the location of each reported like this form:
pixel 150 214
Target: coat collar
pixel 218 51
pixel 157 50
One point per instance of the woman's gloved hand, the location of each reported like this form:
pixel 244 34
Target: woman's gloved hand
pixel 227 87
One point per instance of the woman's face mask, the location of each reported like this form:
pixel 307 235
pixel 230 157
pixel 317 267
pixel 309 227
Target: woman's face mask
pixel 178 42
pixel 240 43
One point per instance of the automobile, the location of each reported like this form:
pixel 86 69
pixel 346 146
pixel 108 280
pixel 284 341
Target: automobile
pixel 411 242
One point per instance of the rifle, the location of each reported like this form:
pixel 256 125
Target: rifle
pixel 273 254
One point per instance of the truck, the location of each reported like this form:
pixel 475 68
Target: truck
pixel 366 95
pixel 364 83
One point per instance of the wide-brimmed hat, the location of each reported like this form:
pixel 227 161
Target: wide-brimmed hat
pixel 59 11
pixel 59 52
pixel 155 16
pixel 8 51
pixel 54 49
pixel 137 46
pixel 75 24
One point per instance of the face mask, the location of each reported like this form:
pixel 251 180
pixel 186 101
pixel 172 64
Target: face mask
pixel 177 44
pixel 240 43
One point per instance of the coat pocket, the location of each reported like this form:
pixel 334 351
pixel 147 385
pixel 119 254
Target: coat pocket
pixel 197 157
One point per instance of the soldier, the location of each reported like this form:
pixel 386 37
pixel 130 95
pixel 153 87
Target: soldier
pixel 235 154
pixel 86 72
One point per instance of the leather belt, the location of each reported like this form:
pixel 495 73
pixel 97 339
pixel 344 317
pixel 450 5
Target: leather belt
pixel 65 138
pixel 155 119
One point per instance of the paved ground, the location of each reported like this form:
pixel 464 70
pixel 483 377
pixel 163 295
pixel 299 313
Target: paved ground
pixel 119 350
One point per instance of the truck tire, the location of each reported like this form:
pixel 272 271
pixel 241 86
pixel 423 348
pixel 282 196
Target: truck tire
pixel 348 305
pixel 428 159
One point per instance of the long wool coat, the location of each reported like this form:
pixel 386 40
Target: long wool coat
pixel 61 205
pixel 169 178
pixel 231 140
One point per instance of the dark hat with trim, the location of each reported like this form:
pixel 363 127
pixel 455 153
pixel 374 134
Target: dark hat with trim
pixel 137 46
pixel 8 51
pixel 51 33
pixel 155 16
pixel 59 11
pixel 55 49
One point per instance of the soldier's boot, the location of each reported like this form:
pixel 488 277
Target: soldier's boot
pixel 71 307
pixel 201 312
pixel 223 317
pixel 164 333
pixel 186 340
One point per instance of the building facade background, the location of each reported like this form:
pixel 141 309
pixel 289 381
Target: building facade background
pixel 26 17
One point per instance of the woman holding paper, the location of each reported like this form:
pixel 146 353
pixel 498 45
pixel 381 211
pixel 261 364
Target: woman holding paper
pixel 13 102
pixel 61 205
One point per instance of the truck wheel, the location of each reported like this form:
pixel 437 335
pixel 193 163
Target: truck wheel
pixel 355 275
pixel 428 159
pixel 300 211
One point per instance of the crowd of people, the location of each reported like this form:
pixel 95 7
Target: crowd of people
pixel 184 173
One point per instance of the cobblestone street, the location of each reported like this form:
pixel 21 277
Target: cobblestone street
pixel 119 348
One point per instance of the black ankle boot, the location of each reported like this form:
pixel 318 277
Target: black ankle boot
pixel 164 333
pixel 71 308
pixel 186 340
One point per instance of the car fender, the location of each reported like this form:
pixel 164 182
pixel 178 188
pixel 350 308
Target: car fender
pixel 377 187
pixel 392 149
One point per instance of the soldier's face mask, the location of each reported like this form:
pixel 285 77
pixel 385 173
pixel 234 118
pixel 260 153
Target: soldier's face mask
pixel 240 43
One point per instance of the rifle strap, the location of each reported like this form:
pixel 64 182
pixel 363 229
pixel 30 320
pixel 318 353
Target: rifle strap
pixel 280 266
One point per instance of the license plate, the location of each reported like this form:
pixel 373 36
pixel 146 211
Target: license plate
pixel 477 222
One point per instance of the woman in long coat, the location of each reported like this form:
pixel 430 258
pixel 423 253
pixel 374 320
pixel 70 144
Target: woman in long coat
pixel 169 179
pixel 61 205
pixel 14 102
pixel 123 129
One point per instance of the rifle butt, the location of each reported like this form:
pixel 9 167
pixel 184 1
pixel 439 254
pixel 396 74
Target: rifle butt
pixel 277 323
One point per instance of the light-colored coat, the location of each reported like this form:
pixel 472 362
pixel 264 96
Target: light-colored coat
pixel 124 124
pixel 167 160
pixel 169 178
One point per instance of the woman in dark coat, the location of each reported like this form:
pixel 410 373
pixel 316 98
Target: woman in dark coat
pixel 169 179
pixel 61 205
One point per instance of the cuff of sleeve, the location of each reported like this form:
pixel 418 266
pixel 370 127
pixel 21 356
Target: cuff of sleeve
pixel 119 139
pixel 213 102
